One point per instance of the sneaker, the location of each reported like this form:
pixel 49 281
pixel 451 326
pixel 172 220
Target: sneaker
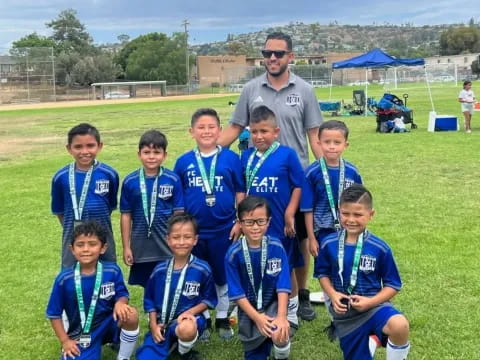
pixel 224 328
pixel 191 355
pixel 330 332
pixel 468 131
pixel 205 336
pixel 305 310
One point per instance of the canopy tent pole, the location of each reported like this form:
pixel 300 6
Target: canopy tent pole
pixel 366 92
pixel 395 76
pixel 428 87
pixel 331 85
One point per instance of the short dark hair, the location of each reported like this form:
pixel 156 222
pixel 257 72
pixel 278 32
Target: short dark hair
pixel 90 228
pixel 251 203
pixel 357 193
pixel 466 82
pixel 334 125
pixel 204 112
pixel 153 138
pixel 181 218
pixel 262 113
pixel 278 35
pixel 83 129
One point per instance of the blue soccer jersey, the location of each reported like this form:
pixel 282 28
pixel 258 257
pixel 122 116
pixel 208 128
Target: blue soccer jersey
pixel 228 181
pixel 377 267
pixel 275 280
pixel 64 298
pixel 169 199
pixel 198 288
pixel 314 195
pixel 275 180
pixel 100 201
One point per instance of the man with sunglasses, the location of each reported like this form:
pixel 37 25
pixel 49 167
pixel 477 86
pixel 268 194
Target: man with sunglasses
pixel 298 115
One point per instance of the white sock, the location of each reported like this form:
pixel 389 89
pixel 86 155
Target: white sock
pixel 206 313
pixel 373 344
pixel 281 352
pixel 185 346
pixel 397 352
pixel 128 339
pixel 292 310
pixel 223 303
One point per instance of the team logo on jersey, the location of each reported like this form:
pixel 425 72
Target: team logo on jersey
pixel 191 289
pixel 293 99
pixel 191 166
pixel 258 99
pixel 274 266
pixel 367 263
pixel 165 191
pixel 101 187
pixel 348 183
pixel 107 291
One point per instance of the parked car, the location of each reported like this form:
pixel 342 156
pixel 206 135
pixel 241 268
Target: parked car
pixel 116 95
pixel 359 83
pixel 319 83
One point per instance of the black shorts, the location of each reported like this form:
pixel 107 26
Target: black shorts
pixel 300 226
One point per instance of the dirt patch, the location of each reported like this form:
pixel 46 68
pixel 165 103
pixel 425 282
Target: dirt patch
pixel 14 146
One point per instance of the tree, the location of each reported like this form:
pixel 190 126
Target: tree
pixel 31 40
pixel 97 68
pixel 460 40
pixel 236 48
pixel 123 38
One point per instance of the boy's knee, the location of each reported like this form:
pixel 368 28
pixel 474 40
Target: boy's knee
pixel 397 325
pixel 186 330
pixel 132 322
pixel 277 340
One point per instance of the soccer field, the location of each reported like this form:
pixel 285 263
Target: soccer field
pixel 425 188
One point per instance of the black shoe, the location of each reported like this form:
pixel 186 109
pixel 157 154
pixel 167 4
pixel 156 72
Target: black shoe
pixel 330 332
pixel 224 328
pixel 205 336
pixel 305 310
pixel 191 355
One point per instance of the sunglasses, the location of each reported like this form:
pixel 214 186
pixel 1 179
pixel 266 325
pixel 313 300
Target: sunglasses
pixel 278 53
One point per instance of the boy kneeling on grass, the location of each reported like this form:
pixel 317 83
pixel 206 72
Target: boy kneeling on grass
pixel 358 272
pixel 94 298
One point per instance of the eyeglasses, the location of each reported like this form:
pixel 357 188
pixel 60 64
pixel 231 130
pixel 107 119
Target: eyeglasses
pixel 250 222
pixel 267 54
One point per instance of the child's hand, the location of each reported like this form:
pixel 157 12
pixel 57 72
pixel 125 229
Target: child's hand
pixel 281 325
pixel 70 349
pixel 235 232
pixel 157 331
pixel 186 315
pixel 264 324
pixel 122 311
pixel 339 306
pixel 313 246
pixel 127 256
pixel 289 229
pixel 361 303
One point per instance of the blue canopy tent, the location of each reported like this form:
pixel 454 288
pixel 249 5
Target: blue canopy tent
pixel 376 58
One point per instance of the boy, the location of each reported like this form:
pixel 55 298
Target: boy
pixel 177 293
pixel 326 179
pixel 212 182
pixel 94 298
pixel 150 195
pixel 259 281
pixel 84 190
pixel 358 272
pixel 274 172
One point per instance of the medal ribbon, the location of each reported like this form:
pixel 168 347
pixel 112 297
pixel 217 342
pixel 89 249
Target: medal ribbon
pixel 168 281
pixel 356 259
pixel 87 323
pixel 328 187
pixel 78 206
pixel 250 173
pixel 263 263
pixel 153 197
pixel 208 182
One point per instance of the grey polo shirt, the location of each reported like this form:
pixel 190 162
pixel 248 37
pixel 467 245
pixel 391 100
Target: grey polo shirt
pixel 295 106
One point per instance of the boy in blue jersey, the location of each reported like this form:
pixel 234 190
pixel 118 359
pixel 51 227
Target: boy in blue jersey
pixel 84 190
pixel 94 298
pixel 150 195
pixel 258 277
pixel 358 272
pixel 274 172
pixel 212 181
pixel 177 293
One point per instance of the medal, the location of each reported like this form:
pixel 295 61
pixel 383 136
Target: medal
pixel 328 188
pixel 208 181
pixel 153 198
pixel 249 172
pixel 210 199
pixel 78 205
pixel 85 340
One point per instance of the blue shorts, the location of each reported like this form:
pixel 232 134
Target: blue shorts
pixel 107 332
pixel 320 235
pixel 294 255
pixel 212 247
pixel 261 352
pixel 355 344
pixel 155 351
pixel 140 273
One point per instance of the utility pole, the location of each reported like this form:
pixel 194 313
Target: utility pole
pixel 185 23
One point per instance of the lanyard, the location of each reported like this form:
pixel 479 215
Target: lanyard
pixel 78 206
pixel 249 172
pixel 263 263
pixel 87 323
pixel 328 188
pixel 153 198
pixel 208 182
pixel 356 259
pixel 168 281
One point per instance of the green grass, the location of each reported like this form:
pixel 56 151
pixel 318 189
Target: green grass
pixel 426 201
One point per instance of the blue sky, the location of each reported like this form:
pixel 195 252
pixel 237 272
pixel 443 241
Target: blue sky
pixel 212 20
